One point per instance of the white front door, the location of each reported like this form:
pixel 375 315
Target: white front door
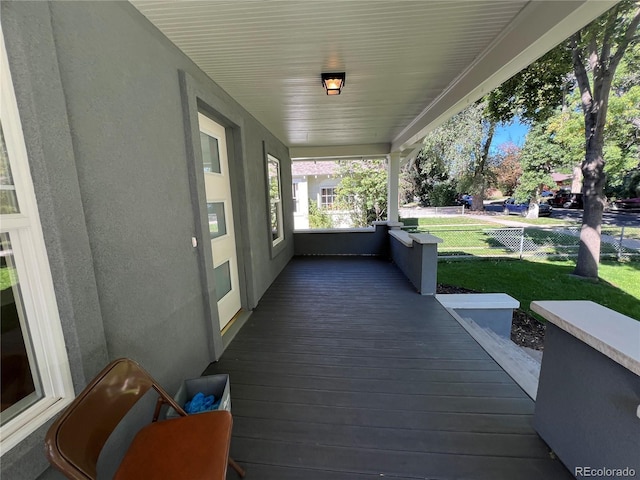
pixel 220 212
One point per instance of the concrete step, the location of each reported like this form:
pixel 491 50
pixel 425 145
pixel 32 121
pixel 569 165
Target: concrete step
pixel 523 368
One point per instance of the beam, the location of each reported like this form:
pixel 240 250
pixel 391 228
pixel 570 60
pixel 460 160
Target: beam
pixel 340 151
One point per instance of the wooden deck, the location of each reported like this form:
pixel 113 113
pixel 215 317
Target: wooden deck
pixel 345 372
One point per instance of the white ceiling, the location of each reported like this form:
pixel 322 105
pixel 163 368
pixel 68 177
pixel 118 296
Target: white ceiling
pixel 409 64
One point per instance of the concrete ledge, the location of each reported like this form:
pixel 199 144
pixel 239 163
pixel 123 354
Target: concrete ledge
pixel 403 237
pixel 609 332
pixel 336 231
pixel 489 310
pixel 424 238
pixel 477 300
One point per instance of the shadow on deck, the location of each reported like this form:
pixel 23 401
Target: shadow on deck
pixel 345 372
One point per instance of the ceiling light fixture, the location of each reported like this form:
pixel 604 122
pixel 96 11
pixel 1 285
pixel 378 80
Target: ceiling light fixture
pixel 333 82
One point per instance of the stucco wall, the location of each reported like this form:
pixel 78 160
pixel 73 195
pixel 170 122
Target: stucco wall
pixel 98 89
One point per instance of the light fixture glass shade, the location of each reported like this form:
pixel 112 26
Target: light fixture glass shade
pixel 333 82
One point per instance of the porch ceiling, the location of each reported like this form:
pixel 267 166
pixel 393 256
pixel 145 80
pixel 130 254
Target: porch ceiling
pixel 410 64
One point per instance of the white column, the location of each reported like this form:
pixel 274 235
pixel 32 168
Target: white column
pixel 393 177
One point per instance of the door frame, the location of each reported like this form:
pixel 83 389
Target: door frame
pixel 196 99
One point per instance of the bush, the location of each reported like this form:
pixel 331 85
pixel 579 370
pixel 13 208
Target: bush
pixel 317 217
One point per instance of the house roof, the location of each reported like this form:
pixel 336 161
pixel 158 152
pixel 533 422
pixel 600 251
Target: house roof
pixel 410 64
pixel 561 177
pixel 302 168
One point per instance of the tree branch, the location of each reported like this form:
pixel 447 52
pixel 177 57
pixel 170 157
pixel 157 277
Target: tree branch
pixel 609 29
pixel 581 72
pixel 628 37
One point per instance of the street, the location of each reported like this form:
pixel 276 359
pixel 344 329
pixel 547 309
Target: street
pixel 608 218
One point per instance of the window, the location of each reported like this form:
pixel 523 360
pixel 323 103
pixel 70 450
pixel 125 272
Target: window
pixel 36 381
pixel 210 153
pixel 217 220
pixel 275 200
pixel 328 197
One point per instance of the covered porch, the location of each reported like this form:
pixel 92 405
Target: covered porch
pixel 343 371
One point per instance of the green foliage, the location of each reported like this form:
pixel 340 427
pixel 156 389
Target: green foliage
pixel 318 218
pixel 453 158
pixel 363 190
pixel 540 156
pixel 534 93
pixel 8 277
pixel 443 194
pixel 558 143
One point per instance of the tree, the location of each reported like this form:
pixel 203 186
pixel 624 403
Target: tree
pixel 541 155
pixel 427 176
pixel 456 154
pixel 363 190
pixel 596 52
pixel 508 169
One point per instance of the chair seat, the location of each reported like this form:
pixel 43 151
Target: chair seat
pixel 194 447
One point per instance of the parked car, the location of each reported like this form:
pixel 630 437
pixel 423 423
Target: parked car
pixel 626 205
pixel 561 197
pixel 465 200
pixel 564 198
pixel 510 206
pixel 574 201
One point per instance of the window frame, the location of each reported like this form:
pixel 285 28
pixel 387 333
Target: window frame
pixel 295 187
pixel 36 281
pixel 333 195
pixel 277 202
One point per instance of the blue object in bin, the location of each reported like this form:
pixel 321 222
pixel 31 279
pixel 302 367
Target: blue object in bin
pixel 201 403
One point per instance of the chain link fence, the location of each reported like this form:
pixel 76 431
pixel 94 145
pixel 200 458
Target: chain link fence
pixel 526 242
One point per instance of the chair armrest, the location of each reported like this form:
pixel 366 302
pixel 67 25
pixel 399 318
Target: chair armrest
pixel 164 397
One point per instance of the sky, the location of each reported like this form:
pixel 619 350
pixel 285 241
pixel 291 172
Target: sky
pixel 514 133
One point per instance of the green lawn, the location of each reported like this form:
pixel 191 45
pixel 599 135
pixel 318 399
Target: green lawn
pixel 452 220
pixel 545 221
pixel 618 287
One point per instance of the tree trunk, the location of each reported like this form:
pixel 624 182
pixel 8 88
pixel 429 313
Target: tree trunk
pixel 477 203
pixel 593 199
pixel 595 101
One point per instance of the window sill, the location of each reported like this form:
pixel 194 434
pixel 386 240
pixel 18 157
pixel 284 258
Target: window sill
pixel 19 428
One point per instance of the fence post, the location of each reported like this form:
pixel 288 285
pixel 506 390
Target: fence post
pixel 521 241
pixel 620 243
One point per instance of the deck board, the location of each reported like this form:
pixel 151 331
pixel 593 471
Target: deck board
pixel 344 372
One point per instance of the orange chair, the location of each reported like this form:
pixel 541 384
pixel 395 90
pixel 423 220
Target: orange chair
pixel 190 446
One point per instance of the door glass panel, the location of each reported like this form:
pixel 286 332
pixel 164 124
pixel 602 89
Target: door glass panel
pixel 210 153
pixel 217 223
pixel 8 200
pixel 223 279
pixel 20 382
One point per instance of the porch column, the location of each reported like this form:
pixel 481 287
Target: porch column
pixel 393 174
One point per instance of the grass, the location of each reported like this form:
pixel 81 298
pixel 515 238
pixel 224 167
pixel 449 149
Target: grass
pixel 453 220
pixel 618 287
pixel 539 220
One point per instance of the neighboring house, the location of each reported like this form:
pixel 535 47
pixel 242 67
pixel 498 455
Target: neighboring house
pixel 561 179
pixel 316 181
